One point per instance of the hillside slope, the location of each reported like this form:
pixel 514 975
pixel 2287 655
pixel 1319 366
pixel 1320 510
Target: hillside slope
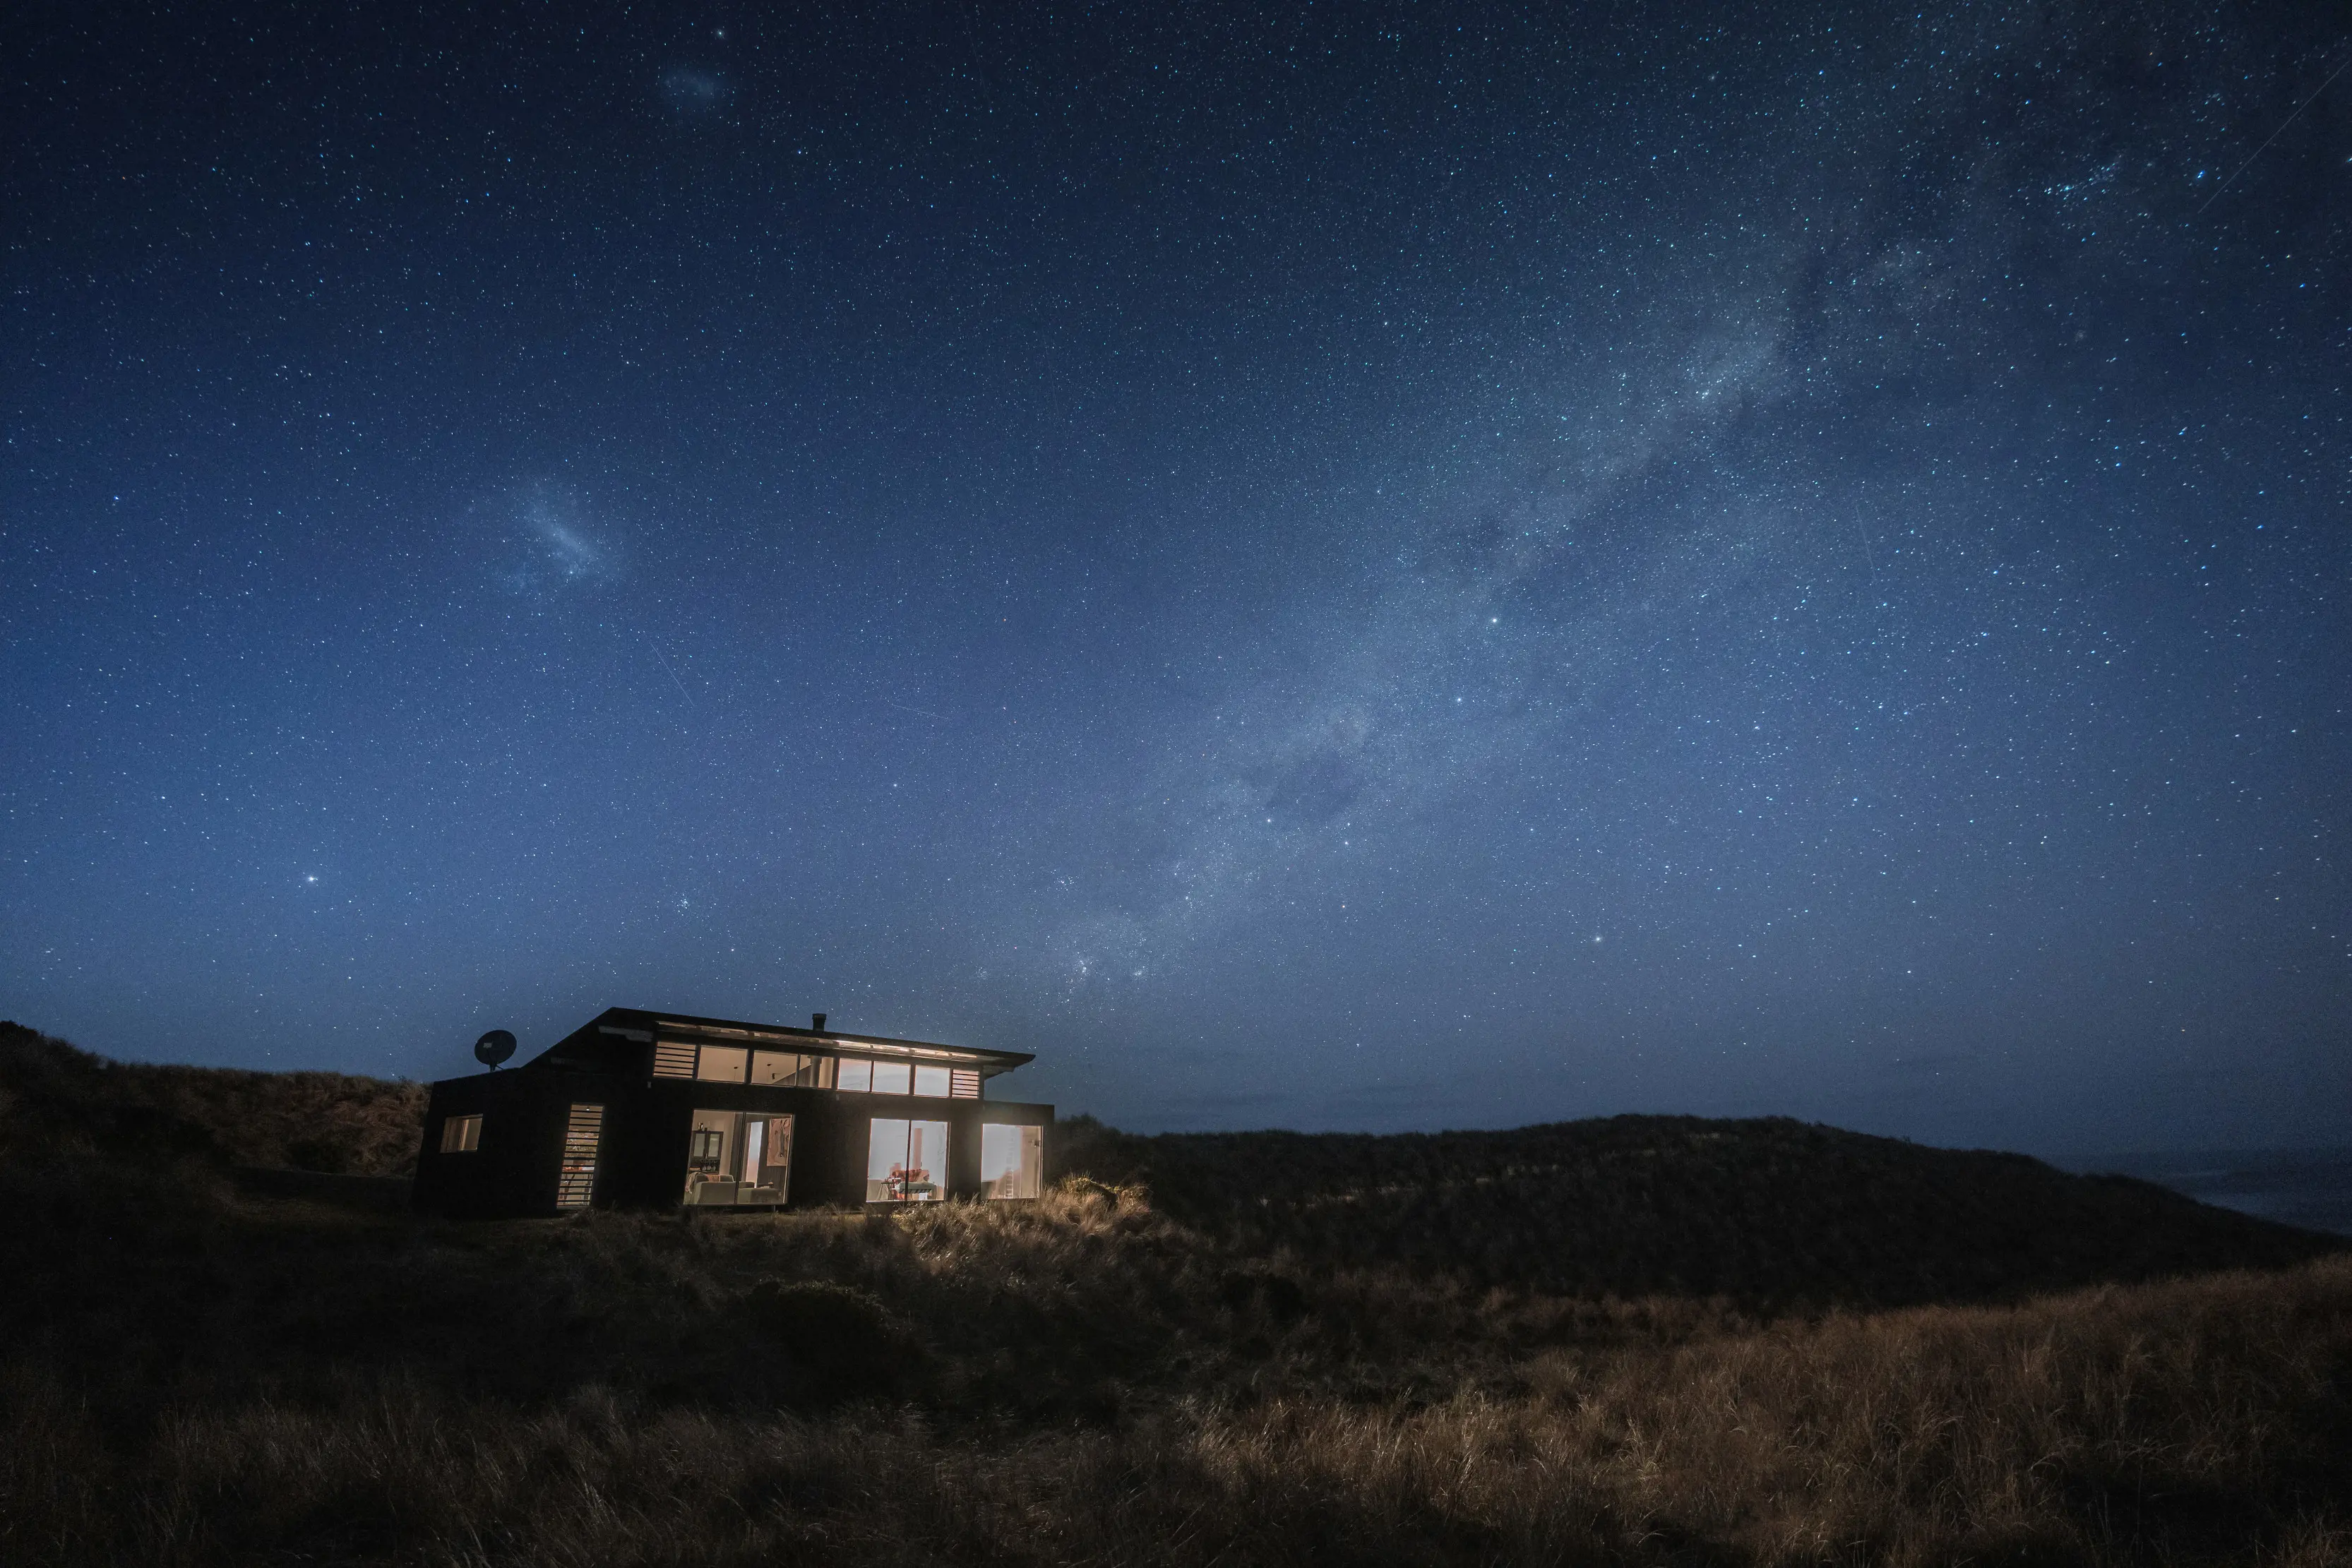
pixel 314 1121
pixel 194 1374
pixel 1772 1213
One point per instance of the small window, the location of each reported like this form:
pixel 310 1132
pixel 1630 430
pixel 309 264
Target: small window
pixel 673 1059
pixel 722 1064
pixel 931 1081
pixel 857 1075
pixel 963 1084
pixel 461 1135
pixel 892 1078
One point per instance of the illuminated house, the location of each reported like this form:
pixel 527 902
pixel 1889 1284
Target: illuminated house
pixel 644 1110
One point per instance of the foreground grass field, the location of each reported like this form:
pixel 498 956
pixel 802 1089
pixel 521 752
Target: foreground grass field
pixel 197 1377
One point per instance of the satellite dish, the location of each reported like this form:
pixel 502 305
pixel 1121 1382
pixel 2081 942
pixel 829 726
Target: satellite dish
pixel 494 1047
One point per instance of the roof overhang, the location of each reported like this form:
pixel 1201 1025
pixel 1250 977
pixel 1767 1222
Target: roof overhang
pixel 640 1025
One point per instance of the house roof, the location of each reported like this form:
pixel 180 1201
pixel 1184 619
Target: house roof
pixel 611 1039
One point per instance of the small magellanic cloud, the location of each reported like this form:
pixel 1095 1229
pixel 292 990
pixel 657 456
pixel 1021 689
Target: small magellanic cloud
pixel 691 91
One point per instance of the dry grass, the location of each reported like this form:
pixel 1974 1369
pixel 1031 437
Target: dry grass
pixel 196 1377
pixel 314 1121
pixel 2191 1422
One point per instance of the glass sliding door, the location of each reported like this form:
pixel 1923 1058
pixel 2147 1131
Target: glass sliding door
pixel 926 1160
pixel 714 1154
pixel 738 1159
pixel 767 1160
pixel 906 1161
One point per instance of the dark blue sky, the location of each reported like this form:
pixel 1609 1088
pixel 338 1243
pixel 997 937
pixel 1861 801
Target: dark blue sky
pixel 1379 567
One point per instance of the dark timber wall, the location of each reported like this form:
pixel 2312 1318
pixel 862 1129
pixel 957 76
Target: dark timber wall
pixel 641 1161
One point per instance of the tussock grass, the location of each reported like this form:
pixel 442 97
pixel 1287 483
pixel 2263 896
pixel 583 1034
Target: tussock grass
pixel 196 1377
pixel 2201 1421
pixel 66 1099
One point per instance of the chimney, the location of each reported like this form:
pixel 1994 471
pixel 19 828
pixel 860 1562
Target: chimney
pixel 816 1022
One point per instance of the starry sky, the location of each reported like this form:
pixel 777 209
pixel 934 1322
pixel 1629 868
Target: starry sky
pixel 1361 567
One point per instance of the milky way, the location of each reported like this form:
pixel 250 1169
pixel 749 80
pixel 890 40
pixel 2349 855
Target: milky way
pixel 1394 570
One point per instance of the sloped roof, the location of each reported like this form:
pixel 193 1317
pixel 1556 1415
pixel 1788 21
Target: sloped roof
pixel 611 1041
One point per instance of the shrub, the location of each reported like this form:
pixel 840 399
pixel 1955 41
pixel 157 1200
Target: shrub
pixel 328 1156
pixel 843 1340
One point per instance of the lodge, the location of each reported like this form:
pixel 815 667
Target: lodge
pixel 653 1110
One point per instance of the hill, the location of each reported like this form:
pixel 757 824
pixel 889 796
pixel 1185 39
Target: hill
pixel 194 1374
pixel 1771 1213
pixel 65 1098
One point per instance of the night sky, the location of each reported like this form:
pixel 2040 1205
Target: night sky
pixel 1366 567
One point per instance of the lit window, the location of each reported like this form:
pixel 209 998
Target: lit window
pixel 737 1160
pixel 906 1162
pixel 461 1135
pixel 1012 1161
pixel 891 1078
pixel 786 1069
pixel 722 1064
pixel 931 1081
pixel 856 1076
pixel 673 1059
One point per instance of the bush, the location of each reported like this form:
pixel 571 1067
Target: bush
pixel 843 1340
pixel 1281 1297
pixel 329 1156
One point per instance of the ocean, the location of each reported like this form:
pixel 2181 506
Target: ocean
pixel 2309 1187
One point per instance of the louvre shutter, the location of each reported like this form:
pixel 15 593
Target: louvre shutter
pixel 577 1183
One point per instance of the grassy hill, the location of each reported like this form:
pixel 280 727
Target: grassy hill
pixel 190 1374
pixel 61 1099
pixel 1772 1213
